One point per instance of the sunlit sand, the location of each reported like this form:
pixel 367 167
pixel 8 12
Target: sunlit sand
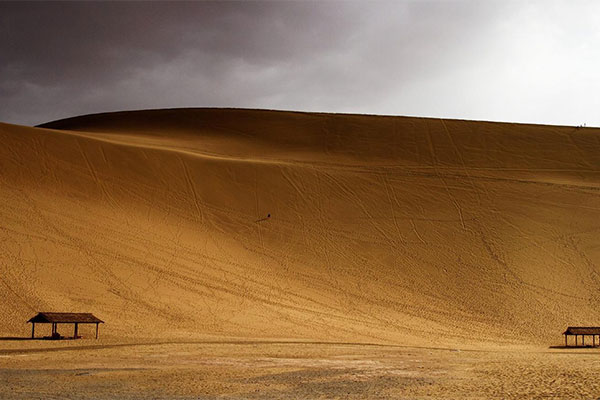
pixel 265 254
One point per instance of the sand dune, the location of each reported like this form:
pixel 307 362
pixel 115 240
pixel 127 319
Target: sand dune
pixel 383 229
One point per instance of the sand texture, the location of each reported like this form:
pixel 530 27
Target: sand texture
pixel 418 232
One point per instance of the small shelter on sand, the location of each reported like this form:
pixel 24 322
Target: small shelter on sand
pixel 582 331
pixel 56 318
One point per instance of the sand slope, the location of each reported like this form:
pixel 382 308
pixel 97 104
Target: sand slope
pixel 382 229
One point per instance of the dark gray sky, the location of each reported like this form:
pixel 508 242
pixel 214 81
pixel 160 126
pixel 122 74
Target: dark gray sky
pixel 524 61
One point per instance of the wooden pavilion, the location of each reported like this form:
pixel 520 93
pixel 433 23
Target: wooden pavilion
pixel 56 318
pixel 582 331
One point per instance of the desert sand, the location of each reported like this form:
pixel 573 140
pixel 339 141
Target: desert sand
pixel 268 254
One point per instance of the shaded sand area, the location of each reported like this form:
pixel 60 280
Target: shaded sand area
pixel 411 232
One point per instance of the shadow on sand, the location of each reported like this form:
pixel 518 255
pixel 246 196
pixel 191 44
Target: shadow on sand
pixel 3 338
pixel 573 347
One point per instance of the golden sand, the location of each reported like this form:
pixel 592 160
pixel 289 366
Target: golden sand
pixel 427 233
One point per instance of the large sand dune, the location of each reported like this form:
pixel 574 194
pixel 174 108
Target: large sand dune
pixel 383 229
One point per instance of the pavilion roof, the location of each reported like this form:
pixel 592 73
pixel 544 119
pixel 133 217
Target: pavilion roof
pixel 59 317
pixel 582 330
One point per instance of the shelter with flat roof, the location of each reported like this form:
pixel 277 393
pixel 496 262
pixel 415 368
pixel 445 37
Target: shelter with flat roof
pixel 582 331
pixel 56 318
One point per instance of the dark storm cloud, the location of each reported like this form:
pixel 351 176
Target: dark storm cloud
pixel 441 58
pixel 56 56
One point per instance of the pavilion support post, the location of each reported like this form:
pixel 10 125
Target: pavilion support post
pixel 566 343
pixel 32 330
pixel 576 341
pixel 583 340
pixel 75 330
pixel 96 330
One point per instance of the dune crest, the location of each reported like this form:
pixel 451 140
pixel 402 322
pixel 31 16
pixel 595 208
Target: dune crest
pixel 381 229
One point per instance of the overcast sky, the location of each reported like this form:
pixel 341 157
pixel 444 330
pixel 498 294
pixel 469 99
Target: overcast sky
pixel 506 61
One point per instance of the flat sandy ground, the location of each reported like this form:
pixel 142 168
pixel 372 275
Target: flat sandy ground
pixel 269 370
